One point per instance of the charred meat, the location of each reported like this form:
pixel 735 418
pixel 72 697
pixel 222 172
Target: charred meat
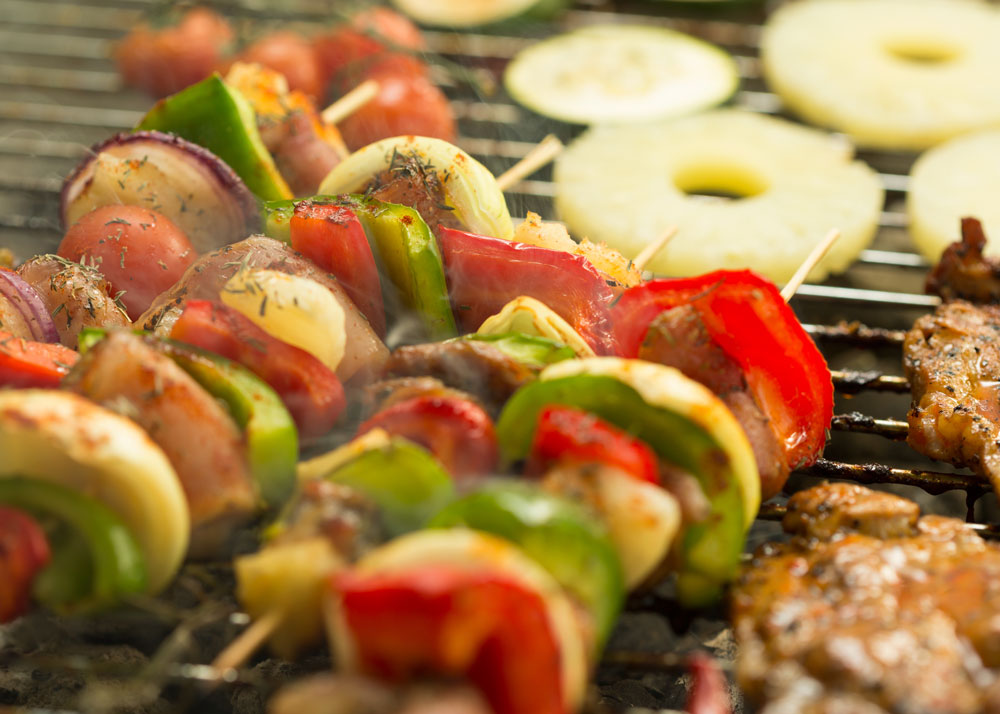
pixel 870 609
pixel 952 360
pixel 964 273
pixel 409 182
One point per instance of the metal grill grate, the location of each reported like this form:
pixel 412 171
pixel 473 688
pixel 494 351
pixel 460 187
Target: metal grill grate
pixel 59 94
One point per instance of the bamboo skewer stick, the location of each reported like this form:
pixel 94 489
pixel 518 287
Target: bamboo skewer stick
pixel 808 264
pixel 547 149
pixel 250 640
pixel 652 249
pixel 350 102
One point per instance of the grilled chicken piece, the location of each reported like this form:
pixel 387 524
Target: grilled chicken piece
pixel 475 367
pixel 206 277
pixel 77 296
pixel 678 338
pixel 952 359
pixel 202 442
pixel 410 183
pixel 851 616
pixel 963 272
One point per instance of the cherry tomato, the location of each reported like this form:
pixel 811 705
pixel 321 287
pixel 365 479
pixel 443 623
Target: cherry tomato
pixel 139 251
pixel 293 56
pixel 568 434
pixel 403 106
pixel 24 551
pixel 165 62
pixel 311 391
pixel 458 432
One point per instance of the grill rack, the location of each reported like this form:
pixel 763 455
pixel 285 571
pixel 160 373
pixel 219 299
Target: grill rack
pixel 59 94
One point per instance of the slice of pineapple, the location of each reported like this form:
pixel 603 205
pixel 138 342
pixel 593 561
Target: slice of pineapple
pixel 895 74
pixel 957 179
pixel 628 185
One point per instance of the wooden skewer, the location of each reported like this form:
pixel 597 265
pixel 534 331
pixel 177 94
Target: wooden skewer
pixel 548 148
pixel 350 102
pixel 808 264
pixel 653 248
pixel 250 640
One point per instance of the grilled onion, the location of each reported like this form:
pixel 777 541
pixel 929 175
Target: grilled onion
pixel 22 296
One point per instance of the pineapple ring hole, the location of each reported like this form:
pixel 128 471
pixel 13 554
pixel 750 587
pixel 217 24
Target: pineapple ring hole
pixel 720 181
pixel 923 50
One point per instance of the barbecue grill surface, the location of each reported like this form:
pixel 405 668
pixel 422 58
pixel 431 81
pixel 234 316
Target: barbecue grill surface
pixel 59 94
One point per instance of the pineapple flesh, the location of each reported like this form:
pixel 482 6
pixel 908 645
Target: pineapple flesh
pixel 891 74
pixel 789 186
pixel 957 179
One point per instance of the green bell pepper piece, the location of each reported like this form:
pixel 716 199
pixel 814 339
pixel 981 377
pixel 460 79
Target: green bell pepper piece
pixel 407 484
pixel 95 559
pixel 272 440
pixel 531 351
pixel 214 115
pixel 406 251
pixel 711 548
pixel 561 536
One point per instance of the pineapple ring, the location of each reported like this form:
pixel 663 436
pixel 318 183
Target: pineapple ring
pixel 892 74
pixel 956 179
pixel 627 186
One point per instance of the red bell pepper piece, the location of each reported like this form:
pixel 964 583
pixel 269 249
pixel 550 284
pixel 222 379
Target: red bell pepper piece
pixel 25 363
pixel 457 431
pixel 310 390
pixel 24 551
pixel 709 693
pixel 573 435
pixel 332 237
pixel 747 317
pixel 455 622
pixel 484 274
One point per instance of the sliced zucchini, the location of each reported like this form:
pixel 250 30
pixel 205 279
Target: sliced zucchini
pixel 474 13
pixel 616 74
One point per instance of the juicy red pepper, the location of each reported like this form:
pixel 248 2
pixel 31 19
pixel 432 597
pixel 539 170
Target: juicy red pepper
pixel 24 551
pixel 311 391
pixel 709 693
pixel 25 363
pixel 484 274
pixel 333 238
pixel 450 621
pixel 747 317
pixel 573 435
pixel 457 431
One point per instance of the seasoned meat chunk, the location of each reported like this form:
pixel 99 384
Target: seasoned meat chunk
pixel 678 338
pixel 408 182
pixel 852 616
pixel 963 272
pixel 952 359
pixel 77 296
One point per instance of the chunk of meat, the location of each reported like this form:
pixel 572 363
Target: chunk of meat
pixel 364 354
pixel 851 616
pixel 409 182
pixel 469 365
pixel 128 375
pixel 678 338
pixel 963 272
pixel 386 392
pixel 952 359
pixel 77 296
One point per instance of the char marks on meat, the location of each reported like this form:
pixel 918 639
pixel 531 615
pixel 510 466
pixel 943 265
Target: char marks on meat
pixel 678 338
pixel 963 272
pixel 408 181
pixel 952 360
pixel 77 296
pixel 868 609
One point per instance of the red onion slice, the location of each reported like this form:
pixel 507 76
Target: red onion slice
pixel 32 307
pixel 188 184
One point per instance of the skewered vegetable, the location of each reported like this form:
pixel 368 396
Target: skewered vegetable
pixel 26 308
pixel 24 550
pixel 25 363
pixel 530 317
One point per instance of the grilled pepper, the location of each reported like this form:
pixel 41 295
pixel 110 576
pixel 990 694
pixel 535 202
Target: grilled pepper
pixel 684 423
pixel 214 115
pixel 562 537
pixel 24 550
pixel 747 317
pixel 25 363
pixel 95 559
pixel 271 438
